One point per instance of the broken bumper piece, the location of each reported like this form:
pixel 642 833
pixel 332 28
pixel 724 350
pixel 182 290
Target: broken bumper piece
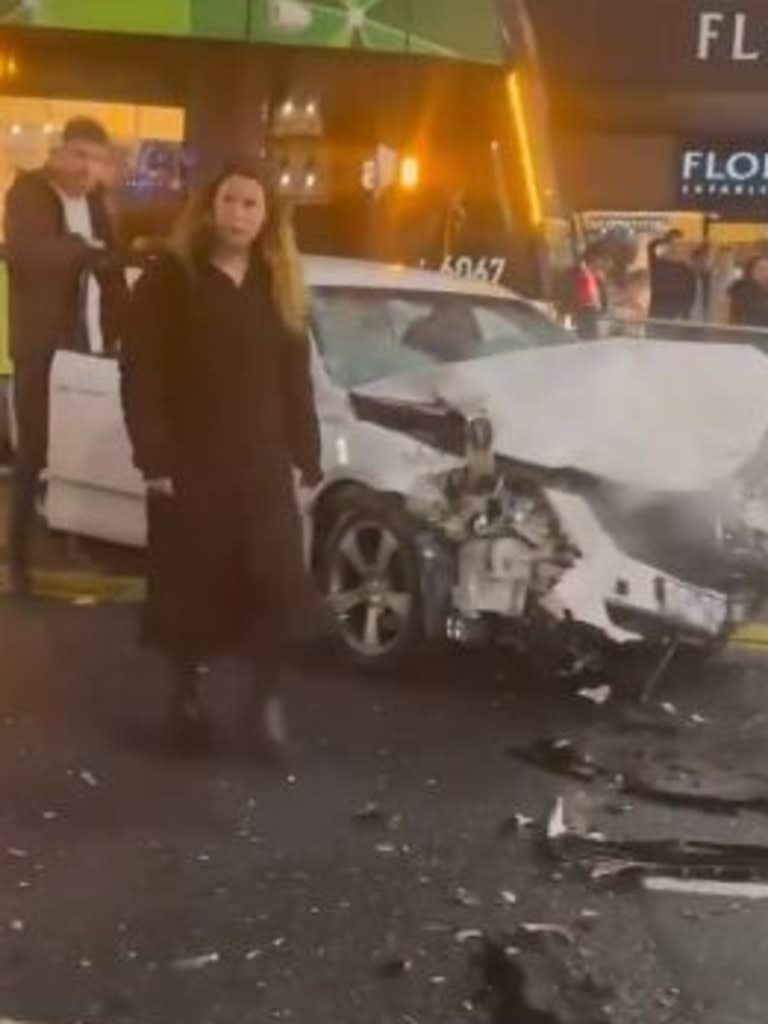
pixel 674 607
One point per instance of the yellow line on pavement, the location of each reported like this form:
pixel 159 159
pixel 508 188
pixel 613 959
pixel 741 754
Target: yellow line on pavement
pixel 82 587
pixel 95 588
pixel 754 634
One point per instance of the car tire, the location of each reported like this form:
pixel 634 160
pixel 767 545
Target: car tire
pixel 370 576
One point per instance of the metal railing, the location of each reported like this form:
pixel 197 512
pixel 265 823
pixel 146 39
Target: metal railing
pixel 607 328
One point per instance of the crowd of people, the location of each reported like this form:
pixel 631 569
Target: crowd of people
pixel 218 404
pixel 679 282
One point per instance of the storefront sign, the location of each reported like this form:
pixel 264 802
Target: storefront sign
pixel 724 176
pixel 451 28
pixel 654 45
pixel 731 35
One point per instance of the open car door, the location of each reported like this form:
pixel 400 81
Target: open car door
pixel 93 488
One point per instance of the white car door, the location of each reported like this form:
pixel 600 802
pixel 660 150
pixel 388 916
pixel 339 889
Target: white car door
pixel 93 488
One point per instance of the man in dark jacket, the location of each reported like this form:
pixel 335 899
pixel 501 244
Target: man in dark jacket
pixel 63 294
pixel 673 279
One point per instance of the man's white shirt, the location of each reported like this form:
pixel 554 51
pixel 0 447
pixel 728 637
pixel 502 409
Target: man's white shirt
pixel 77 217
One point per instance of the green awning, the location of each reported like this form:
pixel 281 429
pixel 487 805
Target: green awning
pixel 461 29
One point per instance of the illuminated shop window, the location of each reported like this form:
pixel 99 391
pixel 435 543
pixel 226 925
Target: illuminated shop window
pixel 148 140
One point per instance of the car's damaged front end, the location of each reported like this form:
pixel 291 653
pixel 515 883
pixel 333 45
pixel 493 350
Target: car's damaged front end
pixel 514 554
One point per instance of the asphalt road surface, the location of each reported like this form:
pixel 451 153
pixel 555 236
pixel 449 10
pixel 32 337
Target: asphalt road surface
pixel 400 869
pixel 350 887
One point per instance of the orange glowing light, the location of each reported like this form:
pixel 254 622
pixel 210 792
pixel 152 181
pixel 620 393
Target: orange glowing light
pixel 522 129
pixel 410 173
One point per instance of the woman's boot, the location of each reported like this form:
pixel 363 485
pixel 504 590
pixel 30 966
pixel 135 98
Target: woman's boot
pixel 267 733
pixel 189 725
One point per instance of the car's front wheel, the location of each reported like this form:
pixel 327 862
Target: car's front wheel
pixel 372 583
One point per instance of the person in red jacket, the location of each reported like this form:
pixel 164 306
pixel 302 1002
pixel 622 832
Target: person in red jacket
pixel 587 298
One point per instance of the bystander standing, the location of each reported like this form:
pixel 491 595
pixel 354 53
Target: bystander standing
pixel 749 295
pixel 57 229
pixel 673 278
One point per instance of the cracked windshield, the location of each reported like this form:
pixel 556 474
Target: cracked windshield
pixel 383 511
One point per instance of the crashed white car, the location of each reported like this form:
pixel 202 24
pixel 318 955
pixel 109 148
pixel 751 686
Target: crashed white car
pixel 488 478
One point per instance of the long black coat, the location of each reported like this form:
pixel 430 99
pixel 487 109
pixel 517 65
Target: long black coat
pixel 749 304
pixel 218 396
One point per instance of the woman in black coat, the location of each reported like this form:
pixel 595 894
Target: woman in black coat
pixel 220 410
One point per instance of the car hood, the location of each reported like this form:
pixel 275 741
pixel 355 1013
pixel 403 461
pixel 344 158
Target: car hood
pixel 659 416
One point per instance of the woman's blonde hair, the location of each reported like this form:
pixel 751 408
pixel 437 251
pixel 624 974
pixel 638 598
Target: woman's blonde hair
pixel 193 239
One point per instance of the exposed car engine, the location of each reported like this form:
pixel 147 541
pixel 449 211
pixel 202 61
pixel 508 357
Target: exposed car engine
pixel 509 546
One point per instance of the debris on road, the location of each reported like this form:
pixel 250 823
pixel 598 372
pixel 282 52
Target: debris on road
pixel 703 887
pixel 515 824
pixel 709 793
pixel 540 988
pixel 589 915
pixel 507 898
pixel 370 814
pixel 466 899
pixel 558 757
pixel 394 967
pixel 89 779
pixel 647 719
pixel 558 930
pixel 606 858
pixel 468 935
pixel 597 695
pixel 556 826
pixel 197 963
pixel 374 815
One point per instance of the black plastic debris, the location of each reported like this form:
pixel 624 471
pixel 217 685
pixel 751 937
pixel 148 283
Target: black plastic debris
pixel 371 814
pixel 605 858
pixel 515 825
pixel 393 967
pixel 503 991
pixel 515 987
pixel 708 793
pixel 645 718
pixel 558 757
